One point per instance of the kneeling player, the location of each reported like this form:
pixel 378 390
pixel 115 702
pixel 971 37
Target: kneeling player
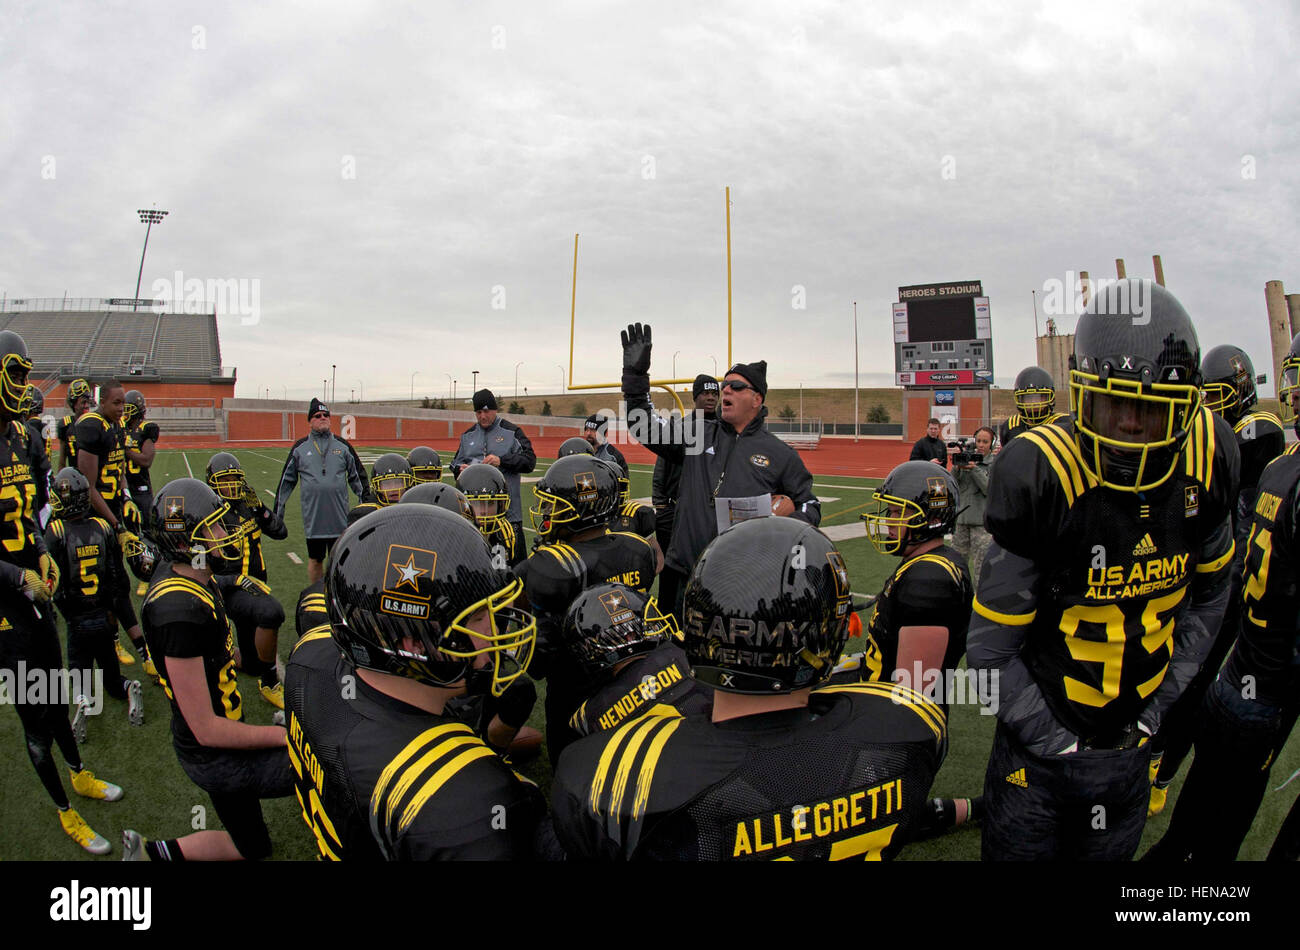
pixel 236 763
pixel 779 770
pixel 489 497
pixel 417 613
pixel 627 651
pixel 85 549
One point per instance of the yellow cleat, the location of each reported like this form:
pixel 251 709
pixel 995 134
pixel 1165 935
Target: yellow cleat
pixel 1156 803
pixel 86 785
pixel 151 670
pixel 76 828
pixel 123 656
pixel 273 695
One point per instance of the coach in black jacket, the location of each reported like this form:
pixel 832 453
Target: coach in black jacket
pixel 723 462
pixel 501 443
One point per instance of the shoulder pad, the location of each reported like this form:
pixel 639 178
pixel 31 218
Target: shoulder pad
pixel 877 697
pixel 1210 455
pixel 102 523
pixel 628 534
pixel 176 598
pixel 58 528
pixel 563 554
pixel 1054 443
pixel 315 635
pixel 625 771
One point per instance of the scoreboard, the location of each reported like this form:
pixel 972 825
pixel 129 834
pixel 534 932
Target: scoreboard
pixel 943 335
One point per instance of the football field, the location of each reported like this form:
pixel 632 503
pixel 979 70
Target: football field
pixel 160 801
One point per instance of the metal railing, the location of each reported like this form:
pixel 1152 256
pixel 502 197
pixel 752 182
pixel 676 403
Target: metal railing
pixel 83 304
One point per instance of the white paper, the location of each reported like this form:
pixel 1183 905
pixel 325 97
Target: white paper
pixel 731 511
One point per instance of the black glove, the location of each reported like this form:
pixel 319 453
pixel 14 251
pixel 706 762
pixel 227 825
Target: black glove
pixel 149 431
pixel 516 703
pixel 636 349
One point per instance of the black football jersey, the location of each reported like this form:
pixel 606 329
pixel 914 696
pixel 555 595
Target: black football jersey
pixel 1260 439
pixel 183 618
pixel 844 778
pixel 66 432
pixel 500 540
pixel 1268 645
pixel 137 475
pixel 311 612
pixel 364 508
pixel 660 677
pixel 1115 568
pixel 18 493
pixel 558 572
pixel 256 521
pixel 86 553
pixel 97 435
pixel 635 518
pixel 392 781
pixel 1016 424
pixel 933 589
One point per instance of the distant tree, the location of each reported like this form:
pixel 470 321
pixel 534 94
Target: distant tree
pixel 877 414
pixel 425 403
pixel 787 414
pixel 439 404
pixel 515 408
pixel 546 408
pixel 579 409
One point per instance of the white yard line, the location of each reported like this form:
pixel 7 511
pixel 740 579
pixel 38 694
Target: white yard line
pixel 849 487
pixel 293 557
pixel 187 464
pixel 269 458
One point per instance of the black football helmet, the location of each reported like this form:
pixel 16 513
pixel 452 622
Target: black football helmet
pixel 1228 381
pixel 139 551
pixel 426 464
pixel 70 495
pixel 1288 390
pixel 77 389
pixel 390 476
pixel 133 409
pixel 916 502
pixel 1135 384
pixel 14 367
pixel 191 525
pixel 609 623
pixel 1035 395
pixel 576 493
pixel 441 495
pixel 35 402
pixel 767 608
pixel 488 495
pixel 226 477
pixel 624 482
pixel 575 446
pixel 422 573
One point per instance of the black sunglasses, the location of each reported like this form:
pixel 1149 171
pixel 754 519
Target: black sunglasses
pixel 321 415
pixel 739 385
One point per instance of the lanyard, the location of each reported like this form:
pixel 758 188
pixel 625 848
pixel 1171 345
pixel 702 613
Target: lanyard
pixel 321 453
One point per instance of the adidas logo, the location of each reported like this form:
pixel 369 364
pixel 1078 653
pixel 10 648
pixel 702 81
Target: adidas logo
pixel 1145 546
pixel 1018 778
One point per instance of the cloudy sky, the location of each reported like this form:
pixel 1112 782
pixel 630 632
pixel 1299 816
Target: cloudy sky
pixel 401 183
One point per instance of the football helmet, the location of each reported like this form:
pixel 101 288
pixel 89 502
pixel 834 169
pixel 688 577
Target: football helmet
pixel 426 464
pixel 1228 381
pixel 422 573
pixel 192 525
pixel 77 389
pixel 767 608
pixel 35 402
pixel 916 502
pixel 14 367
pixel 575 446
pixel 1035 395
pixel 576 493
pixel 620 477
pixel 70 495
pixel 390 476
pixel 226 477
pixel 488 495
pixel 441 495
pixel 1288 392
pixel 133 409
pixel 138 550
pixel 609 623
pixel 1135 384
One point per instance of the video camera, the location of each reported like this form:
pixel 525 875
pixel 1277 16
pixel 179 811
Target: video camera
pixel 966 453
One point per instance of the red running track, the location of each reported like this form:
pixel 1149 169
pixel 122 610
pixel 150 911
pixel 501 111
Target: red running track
pixel 869 458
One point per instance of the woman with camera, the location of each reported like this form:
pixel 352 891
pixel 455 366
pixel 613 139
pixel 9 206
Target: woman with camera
pixel 972 471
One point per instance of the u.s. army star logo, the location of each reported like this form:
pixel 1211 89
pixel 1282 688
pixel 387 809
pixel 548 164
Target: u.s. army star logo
pixel 616 605
pixel 407 575
pixel 174 512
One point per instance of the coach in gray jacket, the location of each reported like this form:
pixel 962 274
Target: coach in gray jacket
pixel 728 465
pixel 503 444
pixel 327 466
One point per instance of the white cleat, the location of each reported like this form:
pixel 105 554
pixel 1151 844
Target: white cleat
pixel 132 846
pixel 135 702
pixel 79 720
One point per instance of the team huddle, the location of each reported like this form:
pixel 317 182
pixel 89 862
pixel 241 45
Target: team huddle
pixel 1138 598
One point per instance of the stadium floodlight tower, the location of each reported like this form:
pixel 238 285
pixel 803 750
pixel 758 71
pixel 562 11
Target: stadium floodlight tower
pixel 149 217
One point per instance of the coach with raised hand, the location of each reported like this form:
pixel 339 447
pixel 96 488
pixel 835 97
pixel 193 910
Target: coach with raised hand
pixel 733 469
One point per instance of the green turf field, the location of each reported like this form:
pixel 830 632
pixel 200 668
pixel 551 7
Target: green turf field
pixel 161 801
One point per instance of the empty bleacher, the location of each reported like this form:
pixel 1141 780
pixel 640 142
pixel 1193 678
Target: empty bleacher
pixel 184 346
pixel 54 340
pixel 122 336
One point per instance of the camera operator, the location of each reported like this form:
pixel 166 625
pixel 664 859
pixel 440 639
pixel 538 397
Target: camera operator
pixel 970 464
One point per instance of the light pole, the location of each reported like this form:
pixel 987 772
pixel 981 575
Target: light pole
pixel 675 364
pixel 361 388
pixel 449 386
pixel 517 365
pixel 334 384
pixel 413 375
pixel 562 386
pixel 149 217
pixel 855 371
pixel 453 393
pixel 353 394
pixel 715 366
pixel 801 407
pixel 475 372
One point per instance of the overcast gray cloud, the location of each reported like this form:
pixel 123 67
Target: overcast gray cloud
pixel 389 172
